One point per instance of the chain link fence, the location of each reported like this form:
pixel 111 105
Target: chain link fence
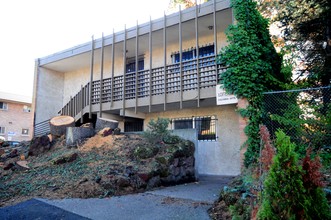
pixel 304 115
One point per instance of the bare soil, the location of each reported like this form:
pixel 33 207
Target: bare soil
pixel 100 160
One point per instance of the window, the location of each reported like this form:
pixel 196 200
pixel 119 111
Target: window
pixel 206 126
pixel 3 106
pixel 131 66
pixel 26 108
pixel 2 130
pixel 25 131
pixel 190 54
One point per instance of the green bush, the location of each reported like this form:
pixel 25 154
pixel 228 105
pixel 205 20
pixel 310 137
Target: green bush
pixel 157 130
pixel 285 195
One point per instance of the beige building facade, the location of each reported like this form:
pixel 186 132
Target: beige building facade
pixel 16 117
pixel 164 68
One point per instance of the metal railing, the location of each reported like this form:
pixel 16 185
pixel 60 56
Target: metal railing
pixel 169 80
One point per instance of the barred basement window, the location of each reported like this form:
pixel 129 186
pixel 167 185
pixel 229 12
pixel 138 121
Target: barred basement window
pixel 3 106
pixel 205 125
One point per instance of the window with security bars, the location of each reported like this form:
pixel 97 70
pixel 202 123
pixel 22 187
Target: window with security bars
pixel 206 126
pixel 2 130
pixel 3 106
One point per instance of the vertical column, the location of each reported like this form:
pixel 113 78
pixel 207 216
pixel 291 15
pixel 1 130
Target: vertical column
pixel 101 75
pixel 91 77
pixel 180 58
pixel 82 103
pixel 197 51
pixel 165 59
pixel 124 70
pixel 137 67
pixel 215 40
pixel 150 65
pixel 112 70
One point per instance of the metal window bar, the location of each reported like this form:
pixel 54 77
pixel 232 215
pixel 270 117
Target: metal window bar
pixel 206 126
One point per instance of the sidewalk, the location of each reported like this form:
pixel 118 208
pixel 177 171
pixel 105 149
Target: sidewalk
pixel 188 201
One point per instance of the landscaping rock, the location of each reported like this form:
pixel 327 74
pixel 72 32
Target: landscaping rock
pixel 39 145
pixel 67 158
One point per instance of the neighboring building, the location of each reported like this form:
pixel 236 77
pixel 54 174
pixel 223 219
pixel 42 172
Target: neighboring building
pixel 163 68
pixel 16 117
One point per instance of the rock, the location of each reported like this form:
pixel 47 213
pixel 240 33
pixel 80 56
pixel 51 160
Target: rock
pixel 105 123
pixel 122 182
pixel 8 166
pixel 75 134
pixel 117 131
pixel 65 158
pixel 105 132
pixel 13 153
pixel 145 151
pixel 145 177
pixel 2 152
pixel 39 145
pixel 154 182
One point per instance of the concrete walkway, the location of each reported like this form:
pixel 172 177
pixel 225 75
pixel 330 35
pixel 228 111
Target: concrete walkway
pixel 188 201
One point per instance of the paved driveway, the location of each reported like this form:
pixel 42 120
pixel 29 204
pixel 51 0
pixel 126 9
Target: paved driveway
pixel 188 201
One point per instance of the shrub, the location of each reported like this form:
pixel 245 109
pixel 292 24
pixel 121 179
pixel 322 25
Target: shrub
pixel 157 130
pixel 293 191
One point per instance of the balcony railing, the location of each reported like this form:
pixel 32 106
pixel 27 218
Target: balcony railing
pixel 161 80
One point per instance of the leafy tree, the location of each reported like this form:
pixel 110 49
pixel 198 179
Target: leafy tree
pixel 292 191
pixel 253 67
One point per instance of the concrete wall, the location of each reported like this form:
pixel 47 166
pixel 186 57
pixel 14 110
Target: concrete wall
pixel 14 119
pixel 49 95
pixel 220 157
pixel 191 135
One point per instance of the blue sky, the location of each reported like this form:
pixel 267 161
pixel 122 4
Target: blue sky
pixel 36 28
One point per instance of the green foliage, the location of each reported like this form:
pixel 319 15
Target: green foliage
pixel 291 191
pixel 253 67
pixel 157 130
pixel 283 197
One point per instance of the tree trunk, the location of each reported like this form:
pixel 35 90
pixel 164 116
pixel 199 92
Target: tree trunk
pixel 59 124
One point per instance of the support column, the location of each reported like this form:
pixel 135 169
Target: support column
pixel 137 67
pixel 150 65
pixel 112 70
pixel 197 51
pixel 101 75
pixel 180 58
pixel 124 70
pixel 91 77
pixel 165 60
pixel 215 40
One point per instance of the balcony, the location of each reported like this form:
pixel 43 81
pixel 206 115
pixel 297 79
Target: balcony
pixel 192 79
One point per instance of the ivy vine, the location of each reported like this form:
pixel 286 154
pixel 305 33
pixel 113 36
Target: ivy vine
pixel 254 67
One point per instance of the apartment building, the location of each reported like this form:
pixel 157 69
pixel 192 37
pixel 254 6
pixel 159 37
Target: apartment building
pixel 16 117
pixel 163 68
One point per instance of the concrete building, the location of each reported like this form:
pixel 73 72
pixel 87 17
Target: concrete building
pixel 164 68
pixel 16 117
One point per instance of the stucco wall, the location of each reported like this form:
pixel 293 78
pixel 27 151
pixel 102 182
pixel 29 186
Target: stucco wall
pixel 49 95
pixel 221 157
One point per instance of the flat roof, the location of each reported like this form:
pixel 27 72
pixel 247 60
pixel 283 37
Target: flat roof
pixel 10 97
